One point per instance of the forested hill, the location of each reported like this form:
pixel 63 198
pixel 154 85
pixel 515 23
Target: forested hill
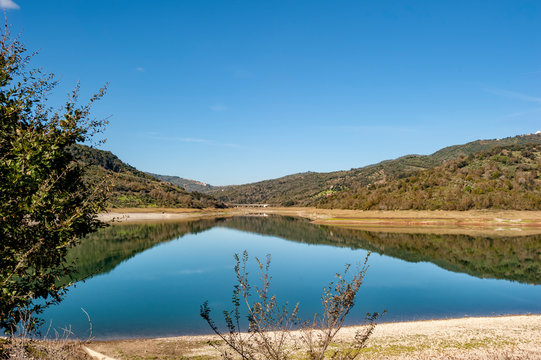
pixel 507 177
pixel 187 184
pixel 133 188
pixel 309 189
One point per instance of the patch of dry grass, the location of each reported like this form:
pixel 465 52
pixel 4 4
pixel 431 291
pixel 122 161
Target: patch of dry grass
pixel 27 349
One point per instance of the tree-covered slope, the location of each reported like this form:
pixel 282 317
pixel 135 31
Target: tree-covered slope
pixel 310 188
pixel 506 177
pixel 129 187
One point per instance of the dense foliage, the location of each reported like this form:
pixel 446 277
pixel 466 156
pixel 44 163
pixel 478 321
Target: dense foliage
pixel 130 187
pixel 45 206
pixel 501 178
pixel 308 189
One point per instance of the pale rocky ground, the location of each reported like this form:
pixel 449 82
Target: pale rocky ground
pixel 506 337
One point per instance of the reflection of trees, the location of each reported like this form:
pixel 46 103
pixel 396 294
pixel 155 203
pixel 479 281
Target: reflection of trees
pixel 512 258
pixel 102 251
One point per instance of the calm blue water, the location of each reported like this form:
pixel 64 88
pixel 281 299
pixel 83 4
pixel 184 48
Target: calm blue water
pixel 158 292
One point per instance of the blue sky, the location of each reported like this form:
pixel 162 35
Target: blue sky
pixel 230 92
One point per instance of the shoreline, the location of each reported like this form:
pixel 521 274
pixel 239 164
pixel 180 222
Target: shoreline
pixel 471 222
pixel 210 334
pixel 460 338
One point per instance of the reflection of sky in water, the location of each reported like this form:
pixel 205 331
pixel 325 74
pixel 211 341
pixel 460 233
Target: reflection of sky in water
pixel 159 291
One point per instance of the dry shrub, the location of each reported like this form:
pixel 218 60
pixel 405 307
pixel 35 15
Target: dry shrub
pixel 272 327
pixel 62 346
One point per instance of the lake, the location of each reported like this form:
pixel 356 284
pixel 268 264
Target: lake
pixel 149 280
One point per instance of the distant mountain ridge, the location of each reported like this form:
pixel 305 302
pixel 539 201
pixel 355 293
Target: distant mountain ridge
pixel 310 188
pixel 187 184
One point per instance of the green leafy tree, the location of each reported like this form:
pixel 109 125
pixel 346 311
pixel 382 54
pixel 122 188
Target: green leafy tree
pixel 45 207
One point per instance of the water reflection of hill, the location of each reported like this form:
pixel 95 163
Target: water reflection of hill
pixel 102 251
pixel 512 258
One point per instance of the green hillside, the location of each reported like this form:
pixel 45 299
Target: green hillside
pixel 129 187
pixel 308 189
pixel 186 184
pixel 506 177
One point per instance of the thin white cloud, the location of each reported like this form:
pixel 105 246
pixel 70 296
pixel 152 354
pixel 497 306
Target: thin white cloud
pixel 367 128
pixel 192 140
pixel 515 114
pixel 156 136
pixel 217 108
pixel 521 113
pixel 8 4
pixel 140 69
pixel 514 95
pixel 236 146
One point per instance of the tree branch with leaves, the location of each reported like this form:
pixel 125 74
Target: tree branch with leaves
pixel 45 207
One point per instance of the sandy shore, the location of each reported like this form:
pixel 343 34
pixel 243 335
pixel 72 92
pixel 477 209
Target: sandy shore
pixel 506 337
pixel 134 215
pixel 473 222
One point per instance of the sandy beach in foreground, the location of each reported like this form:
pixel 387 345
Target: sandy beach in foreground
pixel 504 337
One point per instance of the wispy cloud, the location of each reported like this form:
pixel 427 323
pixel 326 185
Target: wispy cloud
pixel 217 108
pixel 514 95
pixel 156 136
pixel 515 114
pixel 367 128
pixel 521 113
pixel 181 139
pixel 139 68
pixel 8 4
pixel 192 140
